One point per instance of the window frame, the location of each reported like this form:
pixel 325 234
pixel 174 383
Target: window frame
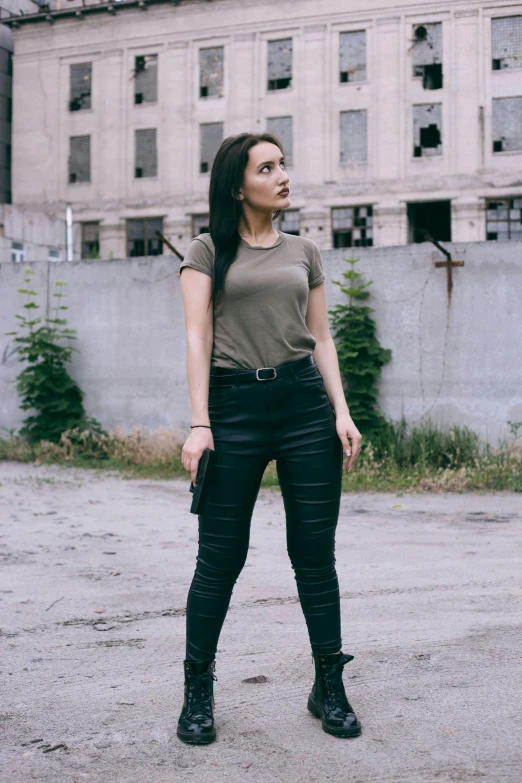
pixel 69 161
pixel 83 239
pixel 350 229
pixel 493 59
pixel 135 72
pixel 339 72
pixel 354 162
pixel 200 154
pixel 146 239
pixel 206 98
pixel 147 176
pixel 71 99
pixel 290 86
pixel 493 200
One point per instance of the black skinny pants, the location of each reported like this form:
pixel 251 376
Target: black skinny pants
pixel 289 419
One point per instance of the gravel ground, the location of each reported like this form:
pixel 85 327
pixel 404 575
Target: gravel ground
pixel 95 573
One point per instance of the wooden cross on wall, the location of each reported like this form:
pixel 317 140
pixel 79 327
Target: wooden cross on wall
pixel 449 264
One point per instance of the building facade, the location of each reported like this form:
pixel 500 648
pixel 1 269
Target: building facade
pixel 397 118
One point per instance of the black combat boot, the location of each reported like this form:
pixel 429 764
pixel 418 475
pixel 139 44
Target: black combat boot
pixel 196 722
pixel 327 699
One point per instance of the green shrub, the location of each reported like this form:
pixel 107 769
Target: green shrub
pixel 44 385
pixel 361 356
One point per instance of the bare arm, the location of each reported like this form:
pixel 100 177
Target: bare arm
pixel 196 292
pixel 325 356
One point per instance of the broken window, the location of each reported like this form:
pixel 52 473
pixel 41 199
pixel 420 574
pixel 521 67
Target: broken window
pixel 506 42
pixel 80 159
pixel 90 240
pixel 200 225
pixel 210 140
pixel 146 156
pixel 504 218
pixel 211 62
pixel 427 54
pixel 142 239
pixel 282 128
pixel 507 124
pixel 354 131
pixel 427 130
pixel 280 64
pixel 17 252
pixel 80 86
pixel 146 78
pixel 432 216
pixel 288 222
pixel 352 56
pixel 352 226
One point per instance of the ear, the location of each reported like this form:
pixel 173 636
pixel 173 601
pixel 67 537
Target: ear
pixel 237 195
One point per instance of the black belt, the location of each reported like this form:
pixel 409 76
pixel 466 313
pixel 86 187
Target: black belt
pixel 221 375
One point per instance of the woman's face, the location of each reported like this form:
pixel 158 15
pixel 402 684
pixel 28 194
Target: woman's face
pixel 265 181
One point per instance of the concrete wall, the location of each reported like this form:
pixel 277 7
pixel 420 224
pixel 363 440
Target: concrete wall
pixel 458 363
pixel 37 231
pixel 466 173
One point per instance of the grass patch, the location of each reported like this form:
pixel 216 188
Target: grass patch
pixel 402 459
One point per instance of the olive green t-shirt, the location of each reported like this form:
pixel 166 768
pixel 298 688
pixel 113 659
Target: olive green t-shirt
pixel 259 320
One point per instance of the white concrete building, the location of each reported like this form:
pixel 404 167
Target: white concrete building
pixel 397 116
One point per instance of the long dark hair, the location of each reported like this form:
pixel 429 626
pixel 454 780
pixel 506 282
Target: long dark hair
pixel 226 178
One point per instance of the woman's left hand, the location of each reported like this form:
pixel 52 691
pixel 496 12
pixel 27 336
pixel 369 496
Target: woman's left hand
pixel 347 431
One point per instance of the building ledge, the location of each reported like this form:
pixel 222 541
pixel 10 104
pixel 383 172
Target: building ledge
pixel 80 11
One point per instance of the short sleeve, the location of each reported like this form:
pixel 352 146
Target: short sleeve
pixel 316 274
pixel 199 256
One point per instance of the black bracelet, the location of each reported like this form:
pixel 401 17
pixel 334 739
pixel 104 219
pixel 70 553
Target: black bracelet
pixel 200 425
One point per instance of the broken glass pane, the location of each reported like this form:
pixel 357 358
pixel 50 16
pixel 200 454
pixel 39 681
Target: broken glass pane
pixel 506 42
pixel 507 124
pixel 211 62
pixel 427 54
pixel 80 86
pixel 427 129
pixel 352 56
pixel 146 78
pixel 343 221
pixel 503 218
pixel 280 64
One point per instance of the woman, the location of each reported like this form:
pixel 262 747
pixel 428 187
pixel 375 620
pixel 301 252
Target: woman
pixel 256 395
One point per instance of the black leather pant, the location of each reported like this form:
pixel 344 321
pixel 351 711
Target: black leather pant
pixel 289 419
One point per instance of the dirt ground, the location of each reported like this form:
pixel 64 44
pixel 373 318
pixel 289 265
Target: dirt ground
pixel 95 573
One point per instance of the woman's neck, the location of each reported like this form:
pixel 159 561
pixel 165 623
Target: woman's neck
pixel 257 228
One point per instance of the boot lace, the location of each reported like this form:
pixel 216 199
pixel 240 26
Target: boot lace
pixel 333 680
pixel 200 694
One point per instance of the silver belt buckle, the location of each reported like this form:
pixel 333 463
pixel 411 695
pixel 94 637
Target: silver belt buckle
pixel 266 379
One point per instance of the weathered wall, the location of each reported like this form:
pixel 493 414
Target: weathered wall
pixel 458 363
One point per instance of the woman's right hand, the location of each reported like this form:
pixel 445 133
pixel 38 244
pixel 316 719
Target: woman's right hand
pixel 200 438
